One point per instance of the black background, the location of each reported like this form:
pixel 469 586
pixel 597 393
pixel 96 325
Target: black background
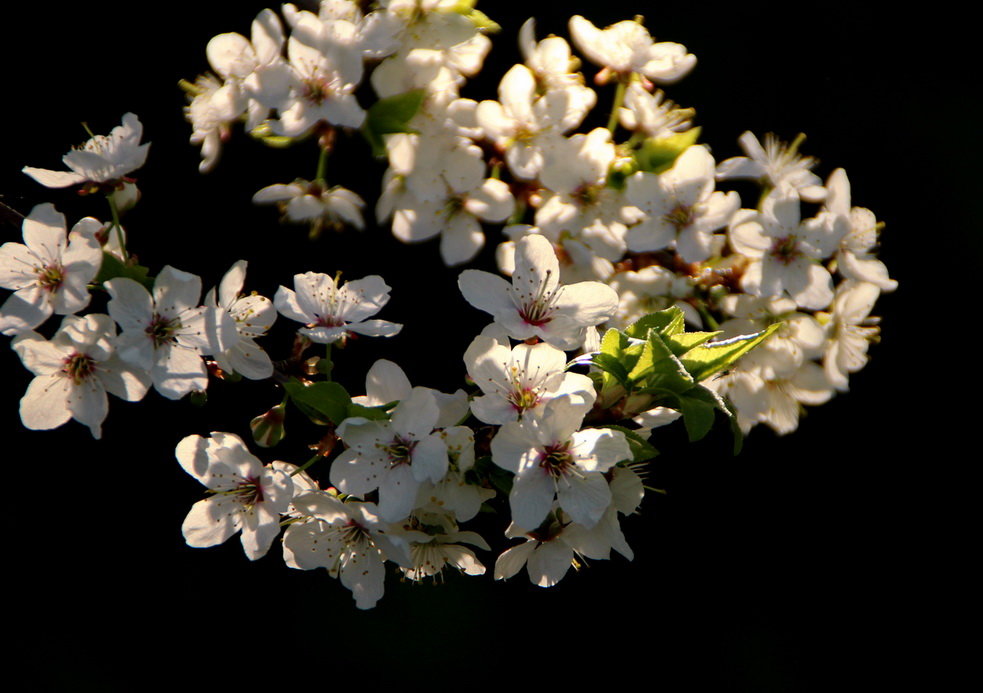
pixel 824 560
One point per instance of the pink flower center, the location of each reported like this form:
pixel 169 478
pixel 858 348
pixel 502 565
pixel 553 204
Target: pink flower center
pixel 556 459
pixel 50 277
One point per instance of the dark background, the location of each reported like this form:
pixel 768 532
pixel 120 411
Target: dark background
pixel 825 560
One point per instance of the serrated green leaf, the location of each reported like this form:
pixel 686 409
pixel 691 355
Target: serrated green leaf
pixel 391 115
pixel 641 449
pixel 658 367
pixel 684 341
pixel 708 359
pixel 612 366
pixel 658 154
pixel 668 322
pixel 112 267
pixel 321 402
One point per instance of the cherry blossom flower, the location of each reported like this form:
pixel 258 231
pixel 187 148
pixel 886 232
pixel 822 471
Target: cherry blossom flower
pixel 102 159
pixel 775 164
pixel 854 260
pixel 394 457
pixel 552 459
pixel 550 550
pixel 652 114
pixel 167 332
pixel 325 69
pixel 627 47
pixel 315 203
pixel 49 272
pixel 520 381
pixel 851 331
pixel 348 539
pixel 680 207
pixel 246 496
pixel 253 315
pixel 331 311
pixel 73 372
pixel 785 251
pixel 535 304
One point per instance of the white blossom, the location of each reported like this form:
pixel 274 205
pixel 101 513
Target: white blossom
pixel 49 272
pixel 253 315
pixel 535 304
pixel 102 159
pixel 245 496
pixel 552 459
pixel 627 47
pixel 167 333
pixel 73 372
pixel 776 164
pixel 330 311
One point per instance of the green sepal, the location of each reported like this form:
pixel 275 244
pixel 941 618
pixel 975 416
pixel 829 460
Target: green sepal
pixel 199 398
pixel 391 115
pixel 641 449
pixel 112 267
pixel 658 154
pixel 706 360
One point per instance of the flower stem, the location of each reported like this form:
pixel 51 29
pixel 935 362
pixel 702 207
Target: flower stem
pixel 306 464
pixel 619 99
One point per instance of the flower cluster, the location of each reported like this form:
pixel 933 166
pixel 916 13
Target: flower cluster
pixel 638 290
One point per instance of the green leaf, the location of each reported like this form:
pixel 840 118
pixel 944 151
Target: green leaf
pixel 611 365
pixel 641 449
pixel 320 402
pixel 697 407
pixel 372 413
pixel 708 359
pixel 391 115
pixel 684 341
pixel 668 322
pixel 483 22
pixel 112 267
pixel 658 367
pixel 658 154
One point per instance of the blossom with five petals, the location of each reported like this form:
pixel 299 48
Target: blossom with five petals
pixel 535 304
pixel 50 271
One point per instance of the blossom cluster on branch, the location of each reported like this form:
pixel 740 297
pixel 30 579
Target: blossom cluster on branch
pixel 638 290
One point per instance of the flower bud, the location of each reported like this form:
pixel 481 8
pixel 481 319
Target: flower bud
pixel 268 428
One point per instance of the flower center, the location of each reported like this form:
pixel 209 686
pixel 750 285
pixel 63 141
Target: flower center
pixel 785 250
pixel 317 89
pixel 538 309
pixel 249 492
pixel 78 367
pixel 522 399
pixel 354 534
pixel 586 195
pixel 680 216
pixel 50 277
pixel 556 459
pixel 400 451
pixel 161 330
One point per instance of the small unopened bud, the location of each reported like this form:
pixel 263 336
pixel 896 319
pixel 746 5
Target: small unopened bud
pixel 268 428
